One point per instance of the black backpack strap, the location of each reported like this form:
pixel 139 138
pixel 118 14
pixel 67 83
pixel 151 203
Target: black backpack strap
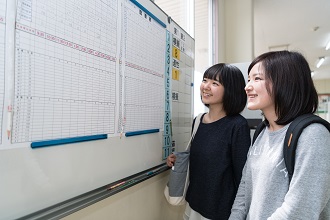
pixel 259 128
pixel 292 136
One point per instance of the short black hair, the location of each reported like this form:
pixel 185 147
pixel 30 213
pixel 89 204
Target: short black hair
pixel 232 79
pixel 293 90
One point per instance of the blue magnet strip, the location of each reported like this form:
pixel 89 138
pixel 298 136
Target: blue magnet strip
pixel 48 143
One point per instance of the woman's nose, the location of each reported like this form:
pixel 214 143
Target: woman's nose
pixel 248 86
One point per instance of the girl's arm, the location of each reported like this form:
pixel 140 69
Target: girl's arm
pixel 239 209
pixel 309 189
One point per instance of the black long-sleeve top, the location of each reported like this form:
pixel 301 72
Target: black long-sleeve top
pixel 217 157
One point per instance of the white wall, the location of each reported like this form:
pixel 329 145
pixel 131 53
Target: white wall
pixel 237 31
pixel 322 86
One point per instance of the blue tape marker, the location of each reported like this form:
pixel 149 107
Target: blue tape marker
pixel 149 13
pixel 68 140
pixel 133 133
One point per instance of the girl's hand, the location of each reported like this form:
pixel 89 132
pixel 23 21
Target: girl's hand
pixel 171 160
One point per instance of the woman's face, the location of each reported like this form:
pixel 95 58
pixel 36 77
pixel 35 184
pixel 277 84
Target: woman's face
pixel 211 91
pixel 257 94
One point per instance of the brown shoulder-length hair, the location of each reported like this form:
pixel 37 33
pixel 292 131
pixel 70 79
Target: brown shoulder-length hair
pixel 293 90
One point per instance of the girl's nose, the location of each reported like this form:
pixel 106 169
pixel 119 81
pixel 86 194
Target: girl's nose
pixel 207 85
pixel 248 86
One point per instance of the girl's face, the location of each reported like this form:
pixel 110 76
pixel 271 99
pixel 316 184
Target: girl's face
pixel 257 94
pixel 211 91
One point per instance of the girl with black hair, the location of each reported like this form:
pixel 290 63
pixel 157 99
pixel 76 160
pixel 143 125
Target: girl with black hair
pixel 219 149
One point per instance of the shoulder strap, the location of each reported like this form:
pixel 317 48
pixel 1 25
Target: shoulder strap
pixel 196 124
pixel 259 128
pixel 292 136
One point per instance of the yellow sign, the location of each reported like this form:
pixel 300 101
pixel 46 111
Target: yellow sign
pixel 176 53
pixel 175 74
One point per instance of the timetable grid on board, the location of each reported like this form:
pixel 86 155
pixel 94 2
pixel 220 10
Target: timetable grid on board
pixel 143 78
pixel 2 60
pixel 64 70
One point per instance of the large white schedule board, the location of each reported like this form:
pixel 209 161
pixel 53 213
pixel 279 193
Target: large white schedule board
pixel 91 91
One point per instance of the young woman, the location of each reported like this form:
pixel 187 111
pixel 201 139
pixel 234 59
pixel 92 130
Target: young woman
pixel 280 85
pixel 219 149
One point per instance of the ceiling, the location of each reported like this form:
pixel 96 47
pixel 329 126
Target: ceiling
pixel 300 25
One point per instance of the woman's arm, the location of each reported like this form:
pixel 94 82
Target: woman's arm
pixel 309 189
pixel 239 209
